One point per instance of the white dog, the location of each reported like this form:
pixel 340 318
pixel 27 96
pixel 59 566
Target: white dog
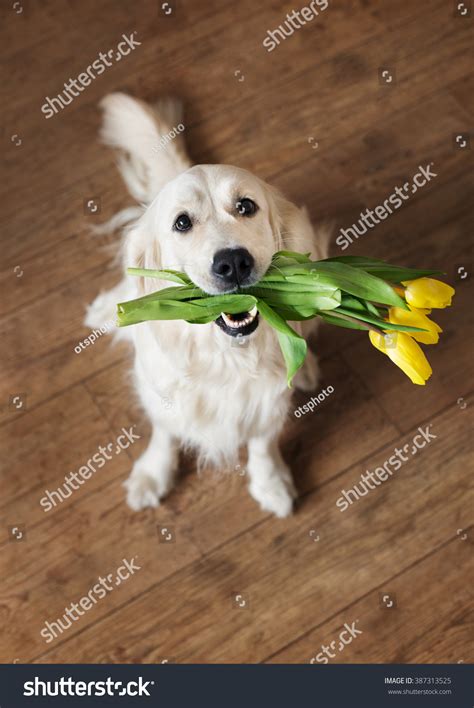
pixel 217 386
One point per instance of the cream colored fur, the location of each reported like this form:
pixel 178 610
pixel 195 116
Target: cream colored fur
pixel 199 387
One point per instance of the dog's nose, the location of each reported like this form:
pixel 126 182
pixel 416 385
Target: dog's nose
pixel 232 265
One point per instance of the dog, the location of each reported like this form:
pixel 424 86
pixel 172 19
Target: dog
pixel 211 387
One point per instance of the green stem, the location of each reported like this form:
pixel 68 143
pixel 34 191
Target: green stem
pixel 365 325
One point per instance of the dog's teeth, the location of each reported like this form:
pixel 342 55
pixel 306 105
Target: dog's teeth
pixel 239 324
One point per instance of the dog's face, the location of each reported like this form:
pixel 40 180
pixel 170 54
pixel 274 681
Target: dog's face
pixel 218 224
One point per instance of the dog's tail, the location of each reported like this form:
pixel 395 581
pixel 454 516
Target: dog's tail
pixel 150 140
pixel 151 152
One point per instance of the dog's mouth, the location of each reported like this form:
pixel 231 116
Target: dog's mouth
pixel 240 324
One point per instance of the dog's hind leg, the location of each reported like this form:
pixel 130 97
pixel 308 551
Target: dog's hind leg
pixel 153 474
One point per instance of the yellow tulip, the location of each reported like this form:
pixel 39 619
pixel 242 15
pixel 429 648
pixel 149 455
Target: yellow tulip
pixel 405 353
pixel 427 293
pixel 415 318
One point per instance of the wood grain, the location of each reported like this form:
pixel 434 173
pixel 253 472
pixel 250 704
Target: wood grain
pixel 412 536
pixel 382 534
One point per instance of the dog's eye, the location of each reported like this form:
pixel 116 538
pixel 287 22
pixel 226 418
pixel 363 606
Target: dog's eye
pixel 246 207
pixel 183 223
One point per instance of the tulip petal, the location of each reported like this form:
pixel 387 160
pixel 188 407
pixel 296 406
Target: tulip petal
pixel 415 318
pixel 428 293
pixel 406 354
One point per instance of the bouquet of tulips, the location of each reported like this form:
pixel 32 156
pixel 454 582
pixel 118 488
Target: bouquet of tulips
pixel 390 302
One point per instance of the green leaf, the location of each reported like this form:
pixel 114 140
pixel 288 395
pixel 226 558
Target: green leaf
pixel 356 282
pixel 127 314
pixel 353 303
pixel 371 308
pixel 292 284
pixel 341 322
pixel 293 255
pixel 394 274
pixel 172 275
pixel 295 314
pixel 164 305
pixel 231 304
pixel 175 292
pixel 292 345
pixel 382 324
pixel 311 299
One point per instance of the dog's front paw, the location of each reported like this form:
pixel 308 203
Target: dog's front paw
pixel 275 494
pixel 143 490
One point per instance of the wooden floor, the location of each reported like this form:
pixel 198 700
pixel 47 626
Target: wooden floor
pixel 316 118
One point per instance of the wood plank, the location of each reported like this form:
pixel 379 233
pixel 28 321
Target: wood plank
pixel 44 445
pixel 34 277
pixel 463 91
pixel 24 244
pixel 41 359
pixel 282 132
pixel 218 27
pixel 358 550
pixel 429 621
pixel 63 558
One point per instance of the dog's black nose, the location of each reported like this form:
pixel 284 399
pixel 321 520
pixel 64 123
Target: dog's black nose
pixel 233 265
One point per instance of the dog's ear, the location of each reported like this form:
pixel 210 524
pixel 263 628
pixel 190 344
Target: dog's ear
pixel 292 228
pixel 142 250
pixel 281 215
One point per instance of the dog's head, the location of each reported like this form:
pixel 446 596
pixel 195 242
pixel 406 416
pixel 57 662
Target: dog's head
pixel 218 224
